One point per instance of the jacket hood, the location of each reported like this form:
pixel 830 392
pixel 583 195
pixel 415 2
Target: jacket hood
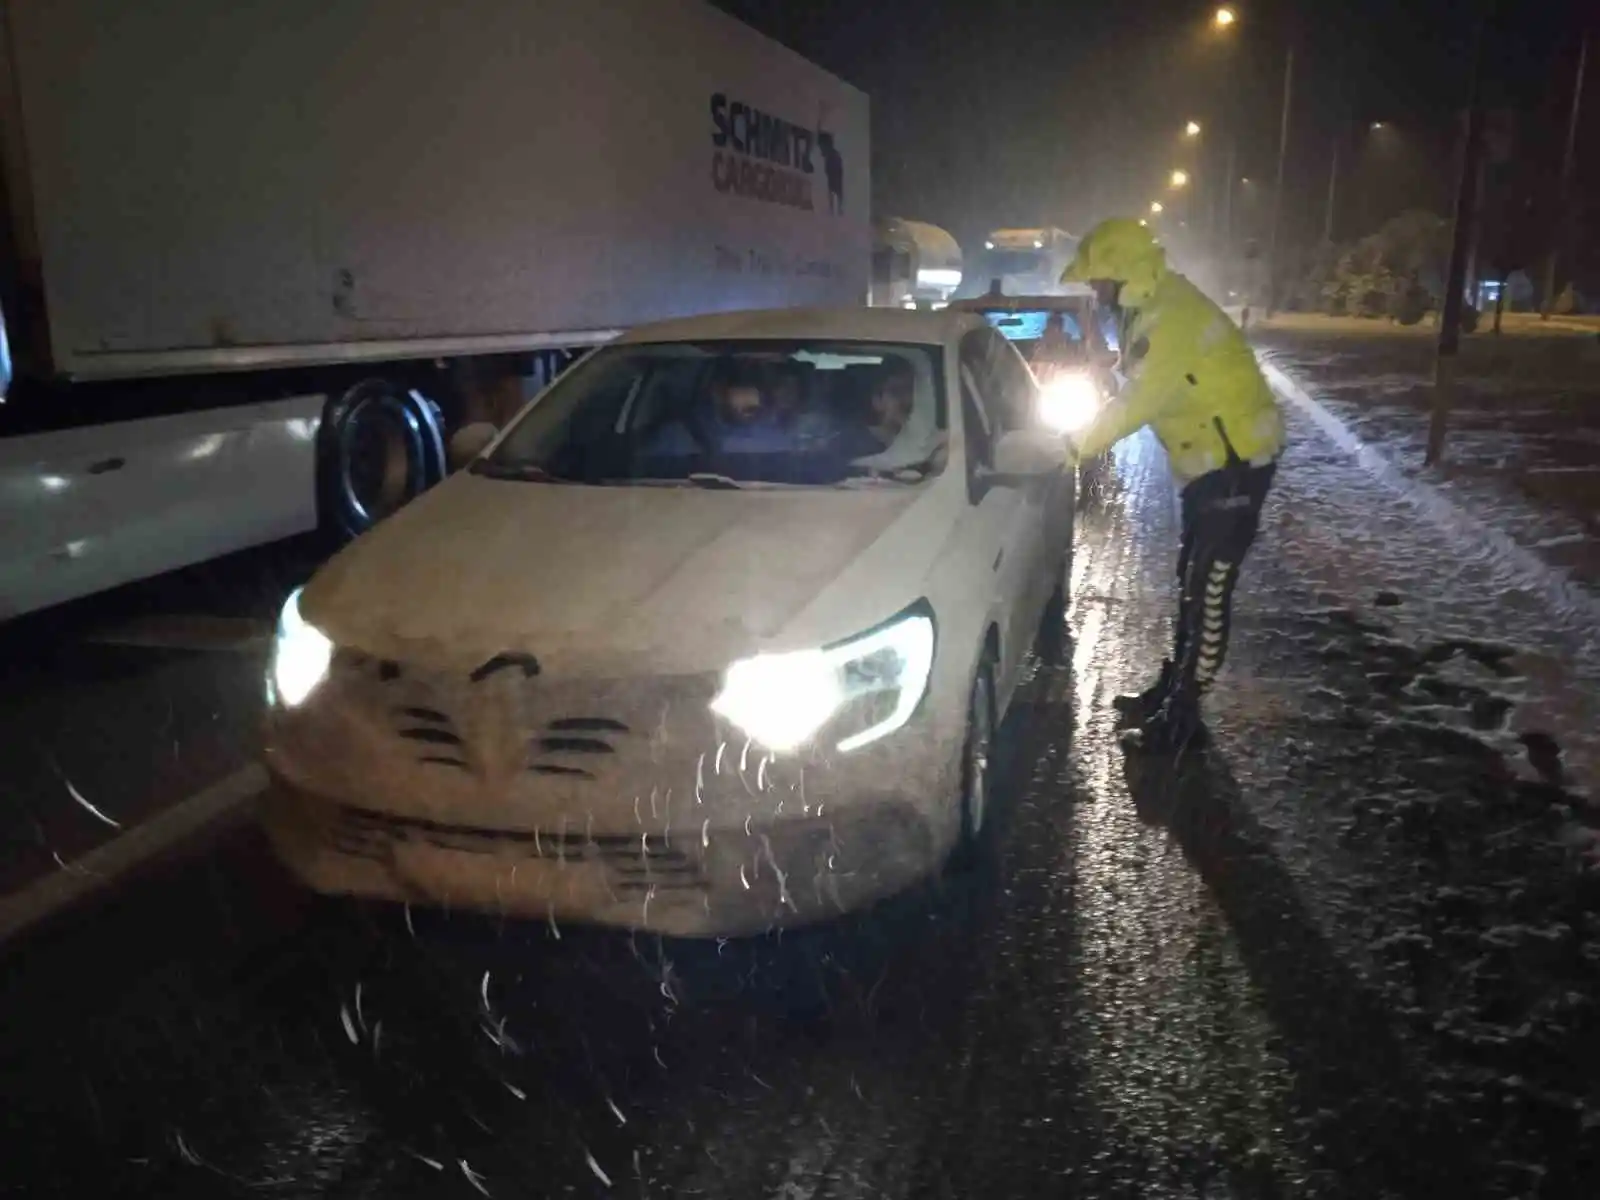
pixel 1122 250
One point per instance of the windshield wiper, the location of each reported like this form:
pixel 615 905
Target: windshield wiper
pixel 910 473
pixel 709 480
pixel 713 482
pixel 527 472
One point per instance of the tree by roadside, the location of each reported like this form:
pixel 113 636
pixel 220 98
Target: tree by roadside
pixel 1399 271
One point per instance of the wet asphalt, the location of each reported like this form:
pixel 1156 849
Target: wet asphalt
pixel 1153 983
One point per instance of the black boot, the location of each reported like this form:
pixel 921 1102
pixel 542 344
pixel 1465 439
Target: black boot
pixel 1135 708
pixel 1173 727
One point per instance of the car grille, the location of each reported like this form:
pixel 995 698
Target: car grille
pixel 575 746
pixel 569 747
pixel 564 743
pixel 638 863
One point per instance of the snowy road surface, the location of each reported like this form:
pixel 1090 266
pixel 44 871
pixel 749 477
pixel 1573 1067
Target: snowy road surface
pixel 1351 950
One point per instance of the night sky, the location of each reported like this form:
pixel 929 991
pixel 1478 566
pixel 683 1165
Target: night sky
pixel 1022 112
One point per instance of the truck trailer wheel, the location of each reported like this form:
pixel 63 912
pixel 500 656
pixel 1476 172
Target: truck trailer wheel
pixel 380 445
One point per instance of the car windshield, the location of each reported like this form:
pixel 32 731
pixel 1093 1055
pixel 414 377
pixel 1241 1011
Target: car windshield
pixel 1016 262
pixel 1026 329
pixel 732 414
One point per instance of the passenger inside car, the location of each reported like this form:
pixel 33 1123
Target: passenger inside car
pixel 888 406
pixel 892 400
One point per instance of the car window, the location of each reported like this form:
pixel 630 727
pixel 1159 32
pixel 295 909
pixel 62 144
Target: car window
pixel 795 413
pixel 1013 396
pixel 977 420
pixel 1003 380
pixel 1027 325
pixel 978 432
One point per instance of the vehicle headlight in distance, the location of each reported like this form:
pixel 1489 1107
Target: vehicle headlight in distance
pixel 782 700
pixel 300 656
pixel 1069 402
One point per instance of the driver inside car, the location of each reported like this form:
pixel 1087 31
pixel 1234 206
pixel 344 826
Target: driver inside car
pixel 740 420
pixel 1056 346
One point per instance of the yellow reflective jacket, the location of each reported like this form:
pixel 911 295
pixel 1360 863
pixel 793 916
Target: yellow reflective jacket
pixel 1193 379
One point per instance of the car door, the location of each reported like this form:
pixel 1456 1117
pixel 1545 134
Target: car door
pixel 1008 524
pixel 1048 499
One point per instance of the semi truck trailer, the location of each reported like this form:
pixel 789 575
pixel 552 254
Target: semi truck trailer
pixel 259 259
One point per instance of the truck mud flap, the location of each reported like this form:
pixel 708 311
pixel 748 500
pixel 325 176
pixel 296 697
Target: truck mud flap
pixel 380 445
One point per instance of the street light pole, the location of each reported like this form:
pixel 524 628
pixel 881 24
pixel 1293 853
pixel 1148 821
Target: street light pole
pixel 1277 195
pixel 1333 188
pixel 1547 301
pixel 1229 180
pixel 1449 348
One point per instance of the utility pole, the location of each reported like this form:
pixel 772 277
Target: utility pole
pixel 1227 192
pixel 1333 190
pixel 1564 189
pixel 1277 195
pixel 1449 348
pixel 1475 240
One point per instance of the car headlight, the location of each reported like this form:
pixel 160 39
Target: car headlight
pixel 782 700
pixel 300 656
pixel 1069 402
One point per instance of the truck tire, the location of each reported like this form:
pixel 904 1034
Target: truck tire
pixel 380 445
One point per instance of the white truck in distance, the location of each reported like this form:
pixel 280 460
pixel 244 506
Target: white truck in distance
pixel 259 260
pixel 1028 262
pixel 914 264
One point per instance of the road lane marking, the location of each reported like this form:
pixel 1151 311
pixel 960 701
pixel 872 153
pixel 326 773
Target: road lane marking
pixel 195 631
pixel 105 864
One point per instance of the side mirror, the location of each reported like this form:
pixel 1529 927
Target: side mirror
pixel 470 441
pixel 1024 454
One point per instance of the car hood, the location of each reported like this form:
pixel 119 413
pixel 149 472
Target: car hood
pixel 622 579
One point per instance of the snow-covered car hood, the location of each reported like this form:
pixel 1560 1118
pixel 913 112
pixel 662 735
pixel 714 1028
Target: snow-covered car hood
pixel 626 579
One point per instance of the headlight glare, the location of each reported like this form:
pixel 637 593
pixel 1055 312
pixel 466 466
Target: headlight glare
pixel 1069 402
pixel 301 654
pixel 782 700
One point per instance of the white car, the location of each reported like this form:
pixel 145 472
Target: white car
pixel 714 637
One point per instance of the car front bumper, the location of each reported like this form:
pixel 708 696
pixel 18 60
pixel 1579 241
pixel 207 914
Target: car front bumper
pixel 651 815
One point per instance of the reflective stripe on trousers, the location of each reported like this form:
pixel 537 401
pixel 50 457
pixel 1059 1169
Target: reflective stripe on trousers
pixel 1221 513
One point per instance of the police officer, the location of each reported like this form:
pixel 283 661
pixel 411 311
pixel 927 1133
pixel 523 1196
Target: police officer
pixel 1193 379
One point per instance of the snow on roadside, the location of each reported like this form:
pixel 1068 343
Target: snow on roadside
pixel 1363 526
pixel 1525 428
pixel 1500 461
pixel 1525 568
pixel 1387 657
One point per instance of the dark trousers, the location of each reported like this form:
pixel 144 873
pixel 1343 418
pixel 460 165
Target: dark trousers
pixel 1221 513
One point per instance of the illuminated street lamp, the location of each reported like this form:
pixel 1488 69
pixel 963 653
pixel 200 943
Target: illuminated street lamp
pixel 1223 19
pixel 1377 125
pixel 1157 207
pixel 1192 129
pixel 1179 179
